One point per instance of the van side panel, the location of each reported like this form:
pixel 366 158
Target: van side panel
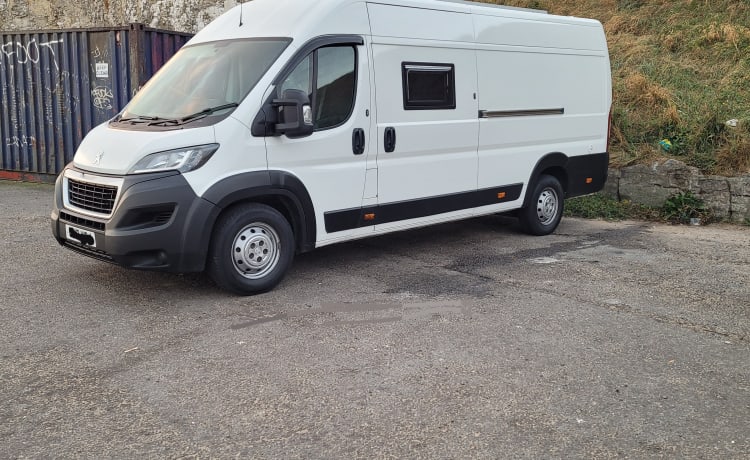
pixel 513 86
pixel 511 28
pixel 544 79
pixel 538 100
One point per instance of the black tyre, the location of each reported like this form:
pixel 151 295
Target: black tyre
pixel 545 209
pixel 251 250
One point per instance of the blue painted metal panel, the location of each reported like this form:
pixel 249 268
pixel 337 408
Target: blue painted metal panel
pixel 55 86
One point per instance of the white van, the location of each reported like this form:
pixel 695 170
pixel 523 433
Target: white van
pixel 287 125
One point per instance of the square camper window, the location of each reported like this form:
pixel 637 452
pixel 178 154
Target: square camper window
pixel 428 86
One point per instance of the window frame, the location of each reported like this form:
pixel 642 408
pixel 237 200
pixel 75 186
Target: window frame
pixel 449 71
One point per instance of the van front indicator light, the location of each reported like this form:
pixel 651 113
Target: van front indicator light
pixel 183 160
pixel 307 117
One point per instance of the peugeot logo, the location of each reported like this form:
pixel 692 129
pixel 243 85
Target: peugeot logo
pixel 98 159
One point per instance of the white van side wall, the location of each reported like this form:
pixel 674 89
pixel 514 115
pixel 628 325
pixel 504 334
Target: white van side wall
pixel 525 66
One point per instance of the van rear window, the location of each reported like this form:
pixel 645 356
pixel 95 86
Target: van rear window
pixel 428 86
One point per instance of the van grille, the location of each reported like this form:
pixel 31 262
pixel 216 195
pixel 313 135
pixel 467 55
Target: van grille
pixel 92 197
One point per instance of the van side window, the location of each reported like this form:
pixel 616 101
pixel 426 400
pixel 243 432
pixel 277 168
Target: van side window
pixel 328 76
pixel 428 86
pixel 334 95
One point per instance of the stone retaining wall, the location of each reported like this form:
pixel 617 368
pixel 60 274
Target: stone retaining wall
pixel 728 197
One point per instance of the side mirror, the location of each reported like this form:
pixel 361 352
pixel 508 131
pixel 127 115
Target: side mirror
pixel 295 114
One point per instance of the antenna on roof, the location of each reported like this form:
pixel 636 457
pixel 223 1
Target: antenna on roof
pixel 241 3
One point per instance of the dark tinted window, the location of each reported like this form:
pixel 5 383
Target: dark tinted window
pixel 334 97
pixel 428 86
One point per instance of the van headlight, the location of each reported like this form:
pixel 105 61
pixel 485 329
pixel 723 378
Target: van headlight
pixel 183 160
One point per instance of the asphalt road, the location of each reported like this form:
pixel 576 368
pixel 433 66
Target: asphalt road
pixel 465 340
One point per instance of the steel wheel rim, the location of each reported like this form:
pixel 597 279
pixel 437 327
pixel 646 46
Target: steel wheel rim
pixel 547 206
pixel 256 250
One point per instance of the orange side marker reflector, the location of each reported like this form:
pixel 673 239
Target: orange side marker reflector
pixel 369 216
pixel 501 196
pixel 589 180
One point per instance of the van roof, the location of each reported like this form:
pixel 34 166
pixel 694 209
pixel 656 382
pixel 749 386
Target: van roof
pixel 304 19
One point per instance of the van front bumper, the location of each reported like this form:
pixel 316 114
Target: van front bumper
pixel 157 223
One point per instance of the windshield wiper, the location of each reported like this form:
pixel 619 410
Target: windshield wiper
pixel 209 111
pixel 138 119
pixel 195 116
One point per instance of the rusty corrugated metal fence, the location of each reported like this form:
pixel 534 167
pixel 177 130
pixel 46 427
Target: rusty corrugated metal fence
pixel 57 85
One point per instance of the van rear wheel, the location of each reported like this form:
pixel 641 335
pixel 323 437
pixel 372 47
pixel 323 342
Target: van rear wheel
pixel 545 209
pixel 251 250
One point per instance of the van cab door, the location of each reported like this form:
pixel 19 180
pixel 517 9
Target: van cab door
pixel 331 162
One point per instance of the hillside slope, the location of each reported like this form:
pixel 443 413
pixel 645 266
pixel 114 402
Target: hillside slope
pixel 681 70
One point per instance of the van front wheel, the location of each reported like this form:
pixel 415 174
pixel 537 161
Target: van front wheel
pixel 251 250
pixel 544 211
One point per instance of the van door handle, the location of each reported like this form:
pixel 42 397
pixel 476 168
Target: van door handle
pixel 390 139
pixel 358 141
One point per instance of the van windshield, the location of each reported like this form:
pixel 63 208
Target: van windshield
pixel 200 81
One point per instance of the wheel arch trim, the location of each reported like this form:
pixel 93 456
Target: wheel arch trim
pixel 261 186
pixel 550 160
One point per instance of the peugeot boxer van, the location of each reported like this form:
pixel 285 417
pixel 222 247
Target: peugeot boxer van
pixel 287 125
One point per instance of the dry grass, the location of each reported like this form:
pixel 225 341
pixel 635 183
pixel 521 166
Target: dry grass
pixel 734 154
pixel 640 91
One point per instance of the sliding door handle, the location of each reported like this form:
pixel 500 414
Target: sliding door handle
pixel 389 141
pixel 358 141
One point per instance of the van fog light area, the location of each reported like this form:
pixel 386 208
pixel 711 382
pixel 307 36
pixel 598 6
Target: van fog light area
pixel 154 216
pixel 148 259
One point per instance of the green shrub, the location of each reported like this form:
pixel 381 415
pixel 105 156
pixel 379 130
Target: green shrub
pixel 683 206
